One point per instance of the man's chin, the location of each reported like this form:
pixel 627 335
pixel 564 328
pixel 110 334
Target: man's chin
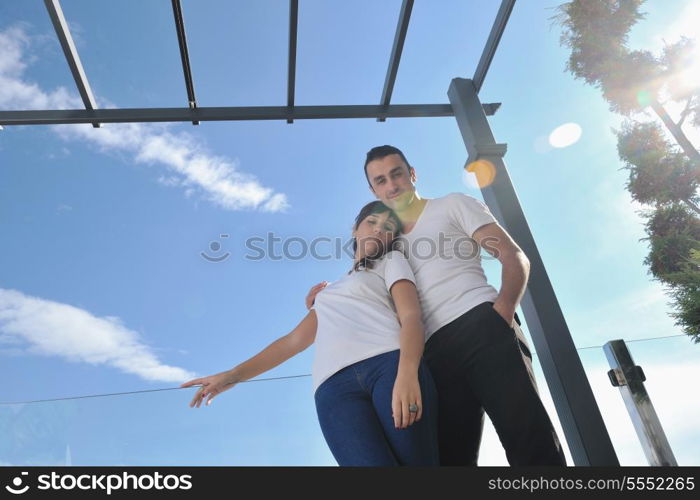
pixel 390 203
pixel 399 202
pixel 396 202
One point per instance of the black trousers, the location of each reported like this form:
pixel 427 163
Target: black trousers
pixel 479 363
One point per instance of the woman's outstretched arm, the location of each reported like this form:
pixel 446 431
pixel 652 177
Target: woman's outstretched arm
pixel 274 354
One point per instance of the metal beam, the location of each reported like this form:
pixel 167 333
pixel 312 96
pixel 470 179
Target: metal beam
pixel 497 29
pixel 630 379
pixel 71 53
pixel 578 411
pixel 396 51
pixel 66 116
pixel 184 54
pixel 292 64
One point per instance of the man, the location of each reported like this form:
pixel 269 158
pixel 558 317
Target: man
pixel 475 348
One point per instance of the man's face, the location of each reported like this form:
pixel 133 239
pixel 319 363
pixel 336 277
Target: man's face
pixel 392 181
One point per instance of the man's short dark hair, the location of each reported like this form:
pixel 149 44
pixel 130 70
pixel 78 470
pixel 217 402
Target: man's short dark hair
pixel 379 152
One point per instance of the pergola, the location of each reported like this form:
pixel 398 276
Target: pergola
pixel 576 407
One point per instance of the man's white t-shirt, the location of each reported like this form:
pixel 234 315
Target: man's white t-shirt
pixel 356 316
pixel 446 260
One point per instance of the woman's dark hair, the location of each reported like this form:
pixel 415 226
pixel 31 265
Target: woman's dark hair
pixel 374 207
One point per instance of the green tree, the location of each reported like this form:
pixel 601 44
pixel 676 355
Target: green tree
pixel 662 175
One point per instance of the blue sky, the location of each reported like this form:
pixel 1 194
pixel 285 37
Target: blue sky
pixel 103 287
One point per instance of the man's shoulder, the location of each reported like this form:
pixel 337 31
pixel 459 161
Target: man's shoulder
pixel 455 198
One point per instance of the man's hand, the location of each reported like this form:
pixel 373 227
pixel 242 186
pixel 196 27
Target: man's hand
pixel 311 296
pixel 506 312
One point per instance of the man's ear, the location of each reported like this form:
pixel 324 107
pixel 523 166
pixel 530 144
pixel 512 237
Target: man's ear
pixel 412 174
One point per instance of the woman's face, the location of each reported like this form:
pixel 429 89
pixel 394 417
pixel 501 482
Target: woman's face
pixel 374 234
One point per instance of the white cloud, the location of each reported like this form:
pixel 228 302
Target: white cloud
pixel 54 329
pixel 190 166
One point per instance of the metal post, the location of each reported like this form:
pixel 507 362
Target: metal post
pixel 578 412
pixel 292 61
pixel 630 379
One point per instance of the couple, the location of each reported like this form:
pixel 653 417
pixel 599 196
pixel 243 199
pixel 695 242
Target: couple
pixel 413 345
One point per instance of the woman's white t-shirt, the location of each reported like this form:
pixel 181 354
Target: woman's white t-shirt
pixel 356 316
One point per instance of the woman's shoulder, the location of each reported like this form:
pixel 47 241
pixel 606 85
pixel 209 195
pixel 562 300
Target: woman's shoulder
pixel 394 254
pixel 391 259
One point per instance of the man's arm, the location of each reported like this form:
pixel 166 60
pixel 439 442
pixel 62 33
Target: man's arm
pixel 516 267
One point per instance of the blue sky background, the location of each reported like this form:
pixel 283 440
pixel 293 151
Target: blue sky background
pixel 102 284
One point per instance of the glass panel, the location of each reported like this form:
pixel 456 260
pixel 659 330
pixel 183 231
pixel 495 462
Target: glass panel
pixel 445 41
pixel 159 428
pixel 672 366
pixel 669 364
pixel 129 51
pixel 238 51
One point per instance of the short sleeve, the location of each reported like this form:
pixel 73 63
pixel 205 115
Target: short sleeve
pixel 470 213
pixel 396 267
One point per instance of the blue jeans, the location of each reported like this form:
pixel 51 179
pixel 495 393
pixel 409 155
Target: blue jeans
pixel 354 410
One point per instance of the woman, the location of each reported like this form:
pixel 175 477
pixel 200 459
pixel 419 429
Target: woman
pixel 375 398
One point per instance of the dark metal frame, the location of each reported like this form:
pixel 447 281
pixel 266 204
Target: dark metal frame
pixel 72 58
pixel 184 55
pixel 580 417
pixel 292 64
pixel 396 51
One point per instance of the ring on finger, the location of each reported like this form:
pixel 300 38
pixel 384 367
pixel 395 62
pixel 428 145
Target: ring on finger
pixel 413 408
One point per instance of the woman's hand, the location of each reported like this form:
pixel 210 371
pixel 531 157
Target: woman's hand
pixel 212 386
pixel 406 393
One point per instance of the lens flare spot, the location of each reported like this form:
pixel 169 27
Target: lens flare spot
pixel 565 135
pixel 644 98
pixel 484 170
